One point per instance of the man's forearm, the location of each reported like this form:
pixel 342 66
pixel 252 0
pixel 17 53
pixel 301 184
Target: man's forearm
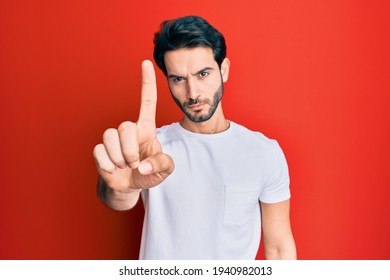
pixel 119 200
pixel 286 251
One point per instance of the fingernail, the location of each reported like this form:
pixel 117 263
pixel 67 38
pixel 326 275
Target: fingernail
pixel 145 168
pixel 134 164
pixel 122 166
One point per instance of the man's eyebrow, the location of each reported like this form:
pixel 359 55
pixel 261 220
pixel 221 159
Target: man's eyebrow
pixel 170 76
pixel 202 70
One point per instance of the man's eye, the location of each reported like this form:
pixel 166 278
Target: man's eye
pixel 203 74
pixel 177 79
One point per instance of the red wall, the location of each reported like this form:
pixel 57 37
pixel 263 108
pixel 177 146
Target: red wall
pixel 312 74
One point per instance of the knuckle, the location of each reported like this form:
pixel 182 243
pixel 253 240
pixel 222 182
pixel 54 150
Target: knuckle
pixel 97 150
pixel 116 158
pixel 109 133
pixel 121 164
pixel 118 161
pixel 125 126
pixel 130 155
pixel 149 101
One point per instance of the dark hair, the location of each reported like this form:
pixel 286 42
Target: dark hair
pixel 187 32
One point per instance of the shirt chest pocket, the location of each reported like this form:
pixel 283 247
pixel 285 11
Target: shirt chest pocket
pixel 241 202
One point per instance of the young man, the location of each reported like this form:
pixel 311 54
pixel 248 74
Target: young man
pixel 208 184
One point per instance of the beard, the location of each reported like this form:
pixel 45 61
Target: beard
pixel 197 117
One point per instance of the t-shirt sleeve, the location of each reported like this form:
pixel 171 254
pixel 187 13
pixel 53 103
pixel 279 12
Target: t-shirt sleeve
pixel 277 181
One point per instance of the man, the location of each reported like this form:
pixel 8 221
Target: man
pixel 208 184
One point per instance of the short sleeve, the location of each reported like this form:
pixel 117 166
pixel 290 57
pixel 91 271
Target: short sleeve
pixel 277 181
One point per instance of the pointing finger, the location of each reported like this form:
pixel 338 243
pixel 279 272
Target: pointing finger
pixel 148 93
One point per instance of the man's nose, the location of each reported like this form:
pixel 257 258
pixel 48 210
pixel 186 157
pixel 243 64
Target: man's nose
pixel 192 90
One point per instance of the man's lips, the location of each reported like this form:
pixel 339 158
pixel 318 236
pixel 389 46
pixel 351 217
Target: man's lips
pixel 197 106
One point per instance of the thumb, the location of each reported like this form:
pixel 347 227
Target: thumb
pixel 159 163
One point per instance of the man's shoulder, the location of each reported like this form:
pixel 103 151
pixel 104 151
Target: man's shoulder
pixel 168 127
pixel 262 147
pixel 253 136
pixel 167 133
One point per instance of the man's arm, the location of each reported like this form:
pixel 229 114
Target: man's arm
pixel 131 157
pixel 276 231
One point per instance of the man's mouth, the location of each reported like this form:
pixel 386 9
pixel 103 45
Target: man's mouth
pixel 194 106
pixel 197 108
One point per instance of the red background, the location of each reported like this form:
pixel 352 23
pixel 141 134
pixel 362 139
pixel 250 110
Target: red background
pixel 312 74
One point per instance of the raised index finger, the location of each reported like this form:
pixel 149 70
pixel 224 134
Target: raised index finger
pixel 148 93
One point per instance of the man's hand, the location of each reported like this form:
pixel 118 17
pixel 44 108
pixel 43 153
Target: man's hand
pixel 131 157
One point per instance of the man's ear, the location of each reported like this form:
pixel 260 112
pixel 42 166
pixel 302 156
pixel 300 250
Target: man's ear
pixel 225 66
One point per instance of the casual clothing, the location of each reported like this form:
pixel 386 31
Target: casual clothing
pixel 208 208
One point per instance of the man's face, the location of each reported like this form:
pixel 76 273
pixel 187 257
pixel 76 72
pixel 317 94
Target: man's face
pixel 195 81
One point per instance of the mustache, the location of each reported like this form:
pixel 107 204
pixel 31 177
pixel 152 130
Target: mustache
pixel 195 101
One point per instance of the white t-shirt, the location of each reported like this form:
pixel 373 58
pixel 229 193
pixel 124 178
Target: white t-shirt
pixel 208 208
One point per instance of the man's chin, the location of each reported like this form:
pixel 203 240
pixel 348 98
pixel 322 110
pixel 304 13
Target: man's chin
pixel 198 118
